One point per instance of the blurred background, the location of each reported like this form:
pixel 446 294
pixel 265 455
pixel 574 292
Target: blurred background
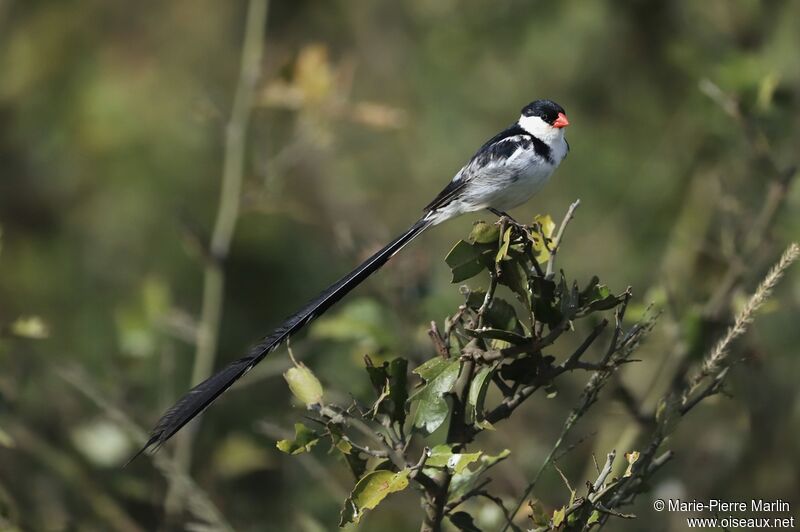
pixel 112 142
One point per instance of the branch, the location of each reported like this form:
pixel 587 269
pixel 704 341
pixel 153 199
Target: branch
pixel 438 342
pixel 601 478
pixel 620 350
pixel 708 391
pixel 574 357
pixel 510 403
pixel 551 263
pixel 427 483
pixel 344 417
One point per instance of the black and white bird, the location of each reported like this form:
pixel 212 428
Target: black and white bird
pixel 506 171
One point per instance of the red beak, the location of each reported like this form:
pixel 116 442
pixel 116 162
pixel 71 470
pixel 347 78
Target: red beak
pixel 561 121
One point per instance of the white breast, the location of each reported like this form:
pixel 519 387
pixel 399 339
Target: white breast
pixel 505 183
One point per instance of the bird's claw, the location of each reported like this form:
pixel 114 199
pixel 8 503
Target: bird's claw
pixel 505 219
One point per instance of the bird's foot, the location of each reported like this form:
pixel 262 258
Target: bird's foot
pixel 505 217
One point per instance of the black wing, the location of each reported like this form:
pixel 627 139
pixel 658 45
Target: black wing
pixel 498 147
pixel 447 193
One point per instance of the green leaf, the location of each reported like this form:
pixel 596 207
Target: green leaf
pixel 503 251
pixel 440 374
pixel 463 481
pixel 594 518
pixel 602 291
pixel 538 515
pixel 355 461
pixel 632 457
pixel 500 314
pixel 391 383
pixel 432 368
pixel 513 274
pixel 606 304
pixel 587 294
pixel 497 334
pixel 304 384
pixel 558 516
pixel 601 298
pixel 443 456
pixel 597 297
pixel 463 521
pixel 32 327
pixel 544 301
pixel 522 368
pixel 540 246
pixel 344 446
pixel 475 299
pixel 569 299
pixel 477 392
pixel 370 491
pixel 304 440
pixel 547 224
pixel 485 425
pixel 464 261
pixel 484 233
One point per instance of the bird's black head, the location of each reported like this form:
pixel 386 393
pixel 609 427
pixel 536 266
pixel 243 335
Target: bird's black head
pixel 547 110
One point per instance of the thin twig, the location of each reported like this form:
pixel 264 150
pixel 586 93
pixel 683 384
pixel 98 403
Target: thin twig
pixel 601 478
pixel 438 342
pixel 487 300
pixel 564 478
pixel 708 391
pixel 342 416
pixel 620 348
pixel 574 357
pixel 551 263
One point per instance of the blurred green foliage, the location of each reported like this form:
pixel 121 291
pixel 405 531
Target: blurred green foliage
pixel 111 124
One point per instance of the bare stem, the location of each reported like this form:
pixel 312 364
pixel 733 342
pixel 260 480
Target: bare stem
pixel 224 226
pixel 551 263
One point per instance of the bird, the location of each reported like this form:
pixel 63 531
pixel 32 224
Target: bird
pixel 504 173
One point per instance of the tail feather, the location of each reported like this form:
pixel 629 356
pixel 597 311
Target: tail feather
pixel 202 395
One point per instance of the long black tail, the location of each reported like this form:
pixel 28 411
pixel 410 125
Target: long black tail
pixel 202 395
